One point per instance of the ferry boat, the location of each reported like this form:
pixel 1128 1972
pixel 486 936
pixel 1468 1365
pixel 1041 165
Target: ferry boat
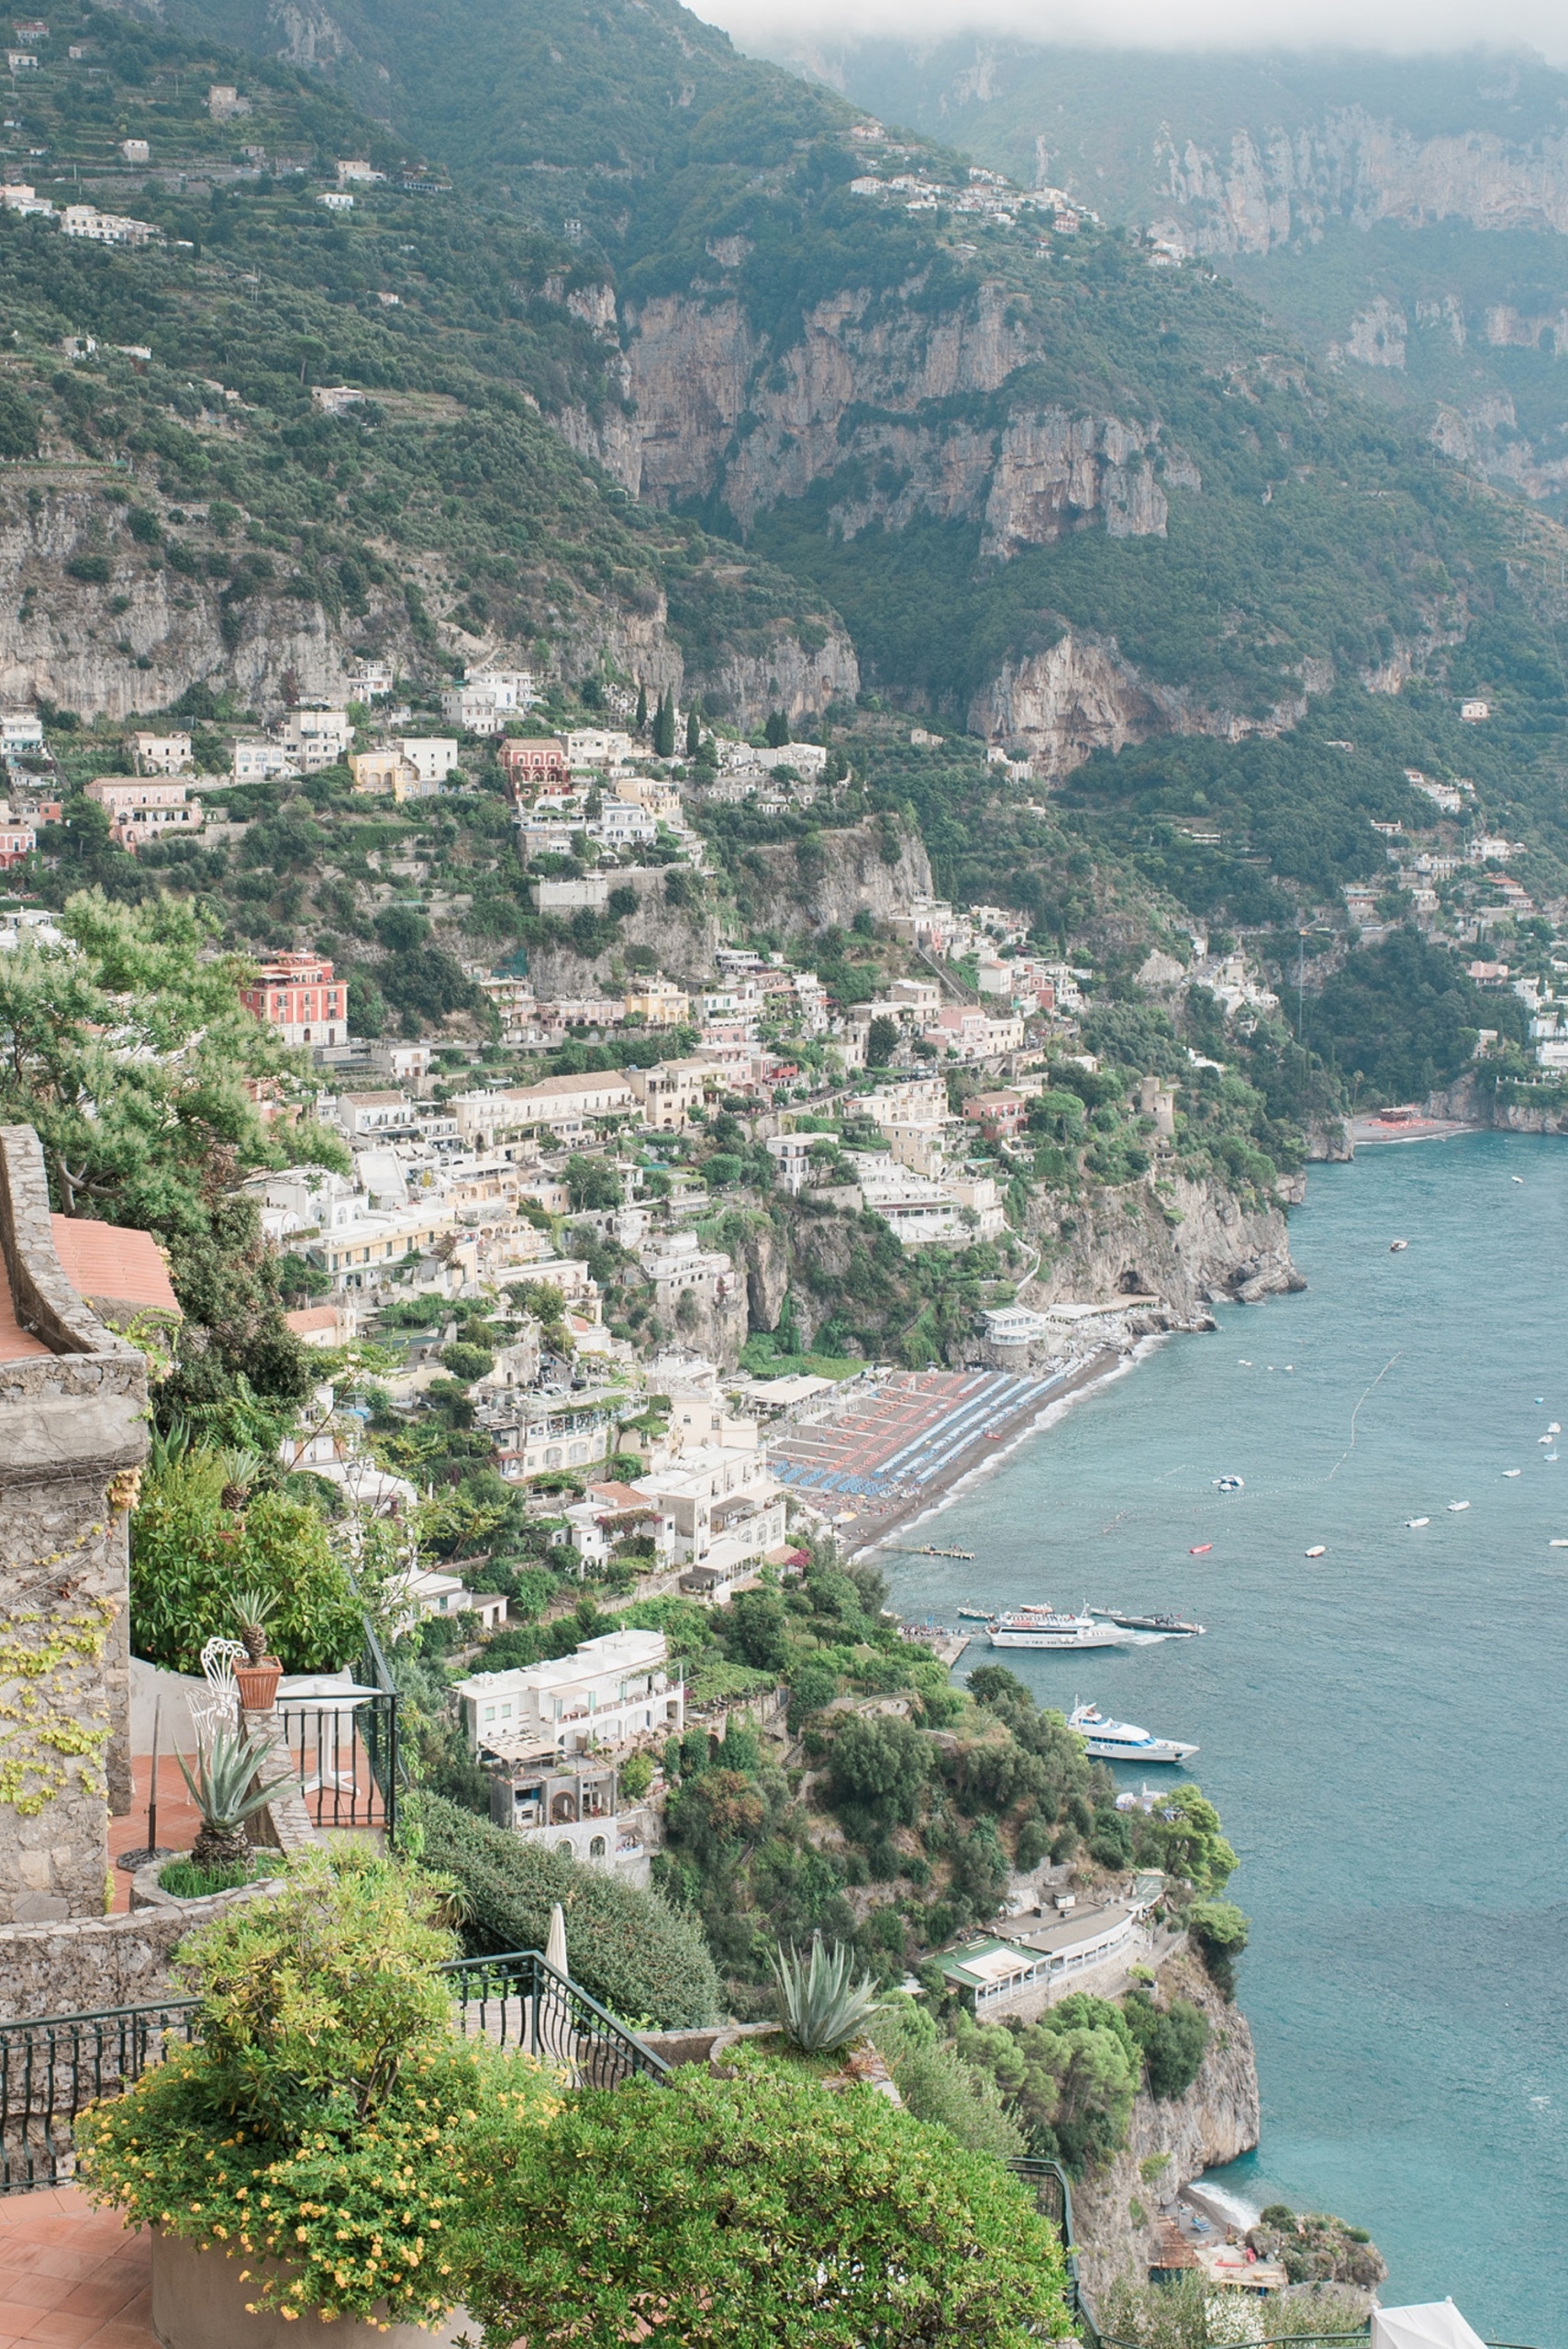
pixel 1048 1627
pixel 1173 1625
pixel 1111 1741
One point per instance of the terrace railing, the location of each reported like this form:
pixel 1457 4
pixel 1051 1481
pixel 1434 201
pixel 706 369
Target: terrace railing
pixel 51 2068
pixel 345 1749
pixel 520 2000
pixel 1047 2181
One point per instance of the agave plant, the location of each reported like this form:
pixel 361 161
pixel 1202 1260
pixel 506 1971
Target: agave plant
pixel 253 1610
pixel 221 1789
pixel 240 1467
pixel 822 2005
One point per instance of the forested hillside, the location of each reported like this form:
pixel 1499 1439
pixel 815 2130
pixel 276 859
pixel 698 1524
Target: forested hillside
pixel 671 371
pixel 1405 219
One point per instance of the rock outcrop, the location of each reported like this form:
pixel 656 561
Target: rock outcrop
pixel 1273 184
pixel 824 880
pixel 135 632
pixel 1199 1246
pixel 1171 2140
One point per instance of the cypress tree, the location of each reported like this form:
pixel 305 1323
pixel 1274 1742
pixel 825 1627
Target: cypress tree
pixel 642 708
pixel 694 731
pixel 665 726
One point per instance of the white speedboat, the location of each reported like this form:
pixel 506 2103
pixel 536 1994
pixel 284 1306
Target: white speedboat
pixel 1048 1627
pixel 1111 1741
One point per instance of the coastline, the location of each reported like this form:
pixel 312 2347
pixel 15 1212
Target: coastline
pixel 981 1458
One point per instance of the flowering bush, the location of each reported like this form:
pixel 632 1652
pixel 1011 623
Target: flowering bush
pixel 327 2124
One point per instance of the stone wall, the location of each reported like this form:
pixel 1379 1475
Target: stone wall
pixel 90 1963
pixel 72 1436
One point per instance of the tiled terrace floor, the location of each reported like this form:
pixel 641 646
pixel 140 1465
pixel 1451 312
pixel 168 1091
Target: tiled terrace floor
pixel 71 2276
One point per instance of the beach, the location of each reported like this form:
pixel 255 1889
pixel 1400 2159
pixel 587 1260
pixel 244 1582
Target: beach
pixel 904 1450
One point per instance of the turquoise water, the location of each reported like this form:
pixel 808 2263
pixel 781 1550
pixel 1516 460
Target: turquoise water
pixel 1382 1728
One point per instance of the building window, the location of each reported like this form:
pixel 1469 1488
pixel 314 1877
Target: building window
pixel 597 1848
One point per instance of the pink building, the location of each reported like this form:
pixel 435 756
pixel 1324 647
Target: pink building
pixel 297 994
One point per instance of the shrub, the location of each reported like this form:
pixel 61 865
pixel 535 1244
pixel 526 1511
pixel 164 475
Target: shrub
pixel 938 2086
pixel 1174 2041
pixel 185 1566
pixel 328 2117
pixel 636 1776
pixel 760 2209
pixel 1219 1930
pixel 94 569
pixel 626 1948
pixel 880 1766
pixel 467 1363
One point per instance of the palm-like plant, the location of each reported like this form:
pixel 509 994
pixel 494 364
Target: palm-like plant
pixel 822 2005
pixel 221 1789
pixel 253 1610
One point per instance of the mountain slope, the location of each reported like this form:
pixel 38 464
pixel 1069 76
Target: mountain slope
pixel 436 517
pixel 1406 218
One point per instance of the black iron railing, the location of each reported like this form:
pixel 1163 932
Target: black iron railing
pixel 51 2068
pixel 1047 2181
pixel 344 1748
pixel 520 2000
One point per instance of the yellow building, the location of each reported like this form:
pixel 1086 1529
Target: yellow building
pixel 658 1002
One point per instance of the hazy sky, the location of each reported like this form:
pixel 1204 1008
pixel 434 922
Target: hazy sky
pixel 1399 25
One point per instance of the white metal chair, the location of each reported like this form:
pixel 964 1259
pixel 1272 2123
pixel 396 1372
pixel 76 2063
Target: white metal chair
pixel 221 1710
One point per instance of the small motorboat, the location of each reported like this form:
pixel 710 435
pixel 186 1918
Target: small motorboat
pixel 1513 1472
pixel 1397 1247
pixel 1553 1427
pixel 1230 1483
pixel 1319 1551
pixel 1412 1522
pixel 975 1614
pixel 1557 1542
pixel 1200 1549
pixel 1454 1507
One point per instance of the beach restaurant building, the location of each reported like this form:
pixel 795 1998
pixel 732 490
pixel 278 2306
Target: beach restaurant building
pixel 1036 1967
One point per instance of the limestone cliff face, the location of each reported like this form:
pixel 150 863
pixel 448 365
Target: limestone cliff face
pixel 1123 1245
pixel 135 640
pixel 1268 187
pixel 826 879
pixel 1170 2141
pixel 1079 696
pixel 718 411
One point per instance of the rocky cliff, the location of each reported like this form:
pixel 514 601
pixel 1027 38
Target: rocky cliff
pixel 1270 186
pixel 100 621
pixel 1170 2141
pixel 824 880
pixel 1194 1246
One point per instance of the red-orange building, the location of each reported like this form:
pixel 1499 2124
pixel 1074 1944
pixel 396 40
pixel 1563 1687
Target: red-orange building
pixel 297 994
pixel 996 1114
pixel 533 759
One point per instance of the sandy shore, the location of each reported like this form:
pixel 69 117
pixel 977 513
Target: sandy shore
pixel 877 1522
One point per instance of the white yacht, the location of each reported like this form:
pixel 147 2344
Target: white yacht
pixel 1048 1627
pixel 1124 1740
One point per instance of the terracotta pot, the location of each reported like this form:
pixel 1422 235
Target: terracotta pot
pixel 198 2302
pixel 258 1684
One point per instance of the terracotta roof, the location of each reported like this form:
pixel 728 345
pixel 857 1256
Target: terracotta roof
pixel 113 1267
pixel 311 1317
pixel 17 1344
pixel 617 1496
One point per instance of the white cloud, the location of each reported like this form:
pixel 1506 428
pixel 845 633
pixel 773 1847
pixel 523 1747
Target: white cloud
pixel 1402 27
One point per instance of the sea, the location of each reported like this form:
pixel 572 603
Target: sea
pixel 1382 1726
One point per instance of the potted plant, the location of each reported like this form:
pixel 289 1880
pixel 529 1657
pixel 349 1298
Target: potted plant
pixel 259 1675
pixel 312 2156
pixel 222 1790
